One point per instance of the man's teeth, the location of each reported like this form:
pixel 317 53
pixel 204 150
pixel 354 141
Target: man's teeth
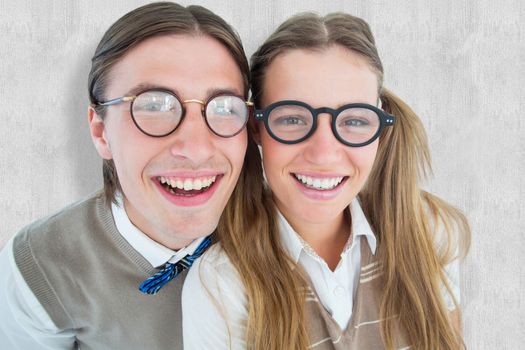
pixel 325 183
pixel 188 184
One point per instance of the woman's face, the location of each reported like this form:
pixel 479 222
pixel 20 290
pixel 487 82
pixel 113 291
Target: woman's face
pixel 331 78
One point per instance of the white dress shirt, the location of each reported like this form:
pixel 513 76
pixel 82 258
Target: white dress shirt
pixel 214 304
pixel 24 323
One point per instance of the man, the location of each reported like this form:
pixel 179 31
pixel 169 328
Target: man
pixel 167 87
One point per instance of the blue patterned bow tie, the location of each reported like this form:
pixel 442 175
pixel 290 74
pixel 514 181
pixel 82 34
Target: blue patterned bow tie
pixel 170 271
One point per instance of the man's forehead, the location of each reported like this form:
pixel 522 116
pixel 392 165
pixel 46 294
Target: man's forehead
pixel 184 64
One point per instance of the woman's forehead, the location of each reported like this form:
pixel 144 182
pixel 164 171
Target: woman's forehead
pixel 334 75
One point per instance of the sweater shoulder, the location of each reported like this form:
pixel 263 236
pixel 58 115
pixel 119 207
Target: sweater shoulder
pixel 57 238
pixel 67 224
pixel 72 213
pixel 43 249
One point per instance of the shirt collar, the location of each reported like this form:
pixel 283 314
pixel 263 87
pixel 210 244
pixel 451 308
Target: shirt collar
pixel 360 225
pixel 294 244
pixel 155 253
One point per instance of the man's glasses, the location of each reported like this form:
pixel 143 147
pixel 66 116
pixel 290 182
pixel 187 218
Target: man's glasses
pixel 355 125
pixel 159 112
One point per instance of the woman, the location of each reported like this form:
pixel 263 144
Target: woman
pixel 348 252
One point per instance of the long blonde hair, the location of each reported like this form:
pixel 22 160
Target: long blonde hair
pixel 402 215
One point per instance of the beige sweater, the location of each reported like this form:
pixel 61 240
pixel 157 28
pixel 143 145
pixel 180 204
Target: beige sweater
pixel 86 276
pixel 363 331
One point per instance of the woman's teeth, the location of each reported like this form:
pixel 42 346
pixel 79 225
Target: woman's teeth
pixel 188 184
pixel 325 183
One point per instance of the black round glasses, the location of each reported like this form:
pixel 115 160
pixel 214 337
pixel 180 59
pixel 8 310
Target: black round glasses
pixel 158 112
pixel 355 124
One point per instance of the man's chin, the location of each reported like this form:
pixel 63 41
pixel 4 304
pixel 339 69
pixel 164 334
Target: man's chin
pixel 191 231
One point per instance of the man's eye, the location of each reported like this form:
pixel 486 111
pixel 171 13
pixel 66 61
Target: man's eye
pixel 223 110
pixel 153 107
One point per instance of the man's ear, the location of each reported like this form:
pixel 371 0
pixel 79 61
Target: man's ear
pixel 98 134
pixel 253 128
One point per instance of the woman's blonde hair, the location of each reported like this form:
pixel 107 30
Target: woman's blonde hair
pixel 404 218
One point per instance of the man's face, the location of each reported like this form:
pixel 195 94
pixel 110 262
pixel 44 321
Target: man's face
pixel 193 68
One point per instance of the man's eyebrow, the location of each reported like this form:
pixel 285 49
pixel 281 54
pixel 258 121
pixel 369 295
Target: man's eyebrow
pixel 210 92
pixel 146 86
pixel 223 91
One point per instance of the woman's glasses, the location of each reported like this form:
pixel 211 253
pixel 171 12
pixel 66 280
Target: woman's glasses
pixel 355 125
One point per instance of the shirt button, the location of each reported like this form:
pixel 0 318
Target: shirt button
pixel 339 291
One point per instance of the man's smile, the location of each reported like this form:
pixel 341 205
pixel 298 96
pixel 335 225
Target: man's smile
pixel 187 186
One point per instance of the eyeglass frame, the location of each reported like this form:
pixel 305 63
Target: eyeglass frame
pixel 204 105
pixel 385 120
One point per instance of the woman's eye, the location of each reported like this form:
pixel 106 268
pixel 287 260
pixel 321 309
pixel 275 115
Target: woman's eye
pixel 290 120
pixel 355 122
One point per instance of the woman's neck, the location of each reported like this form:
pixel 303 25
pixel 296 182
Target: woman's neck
pixel 327 239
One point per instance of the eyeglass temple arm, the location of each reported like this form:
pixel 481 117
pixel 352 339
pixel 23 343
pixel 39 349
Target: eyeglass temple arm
pixel 117 100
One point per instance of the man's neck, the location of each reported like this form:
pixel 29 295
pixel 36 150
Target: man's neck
pixel 159 235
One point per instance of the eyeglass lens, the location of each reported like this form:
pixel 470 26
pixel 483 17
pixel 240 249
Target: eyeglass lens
pixel 226 115
pixel 159 113
pixel 293 122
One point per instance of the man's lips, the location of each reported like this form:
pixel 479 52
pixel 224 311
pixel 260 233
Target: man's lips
pixel 188 183
pixel 188 191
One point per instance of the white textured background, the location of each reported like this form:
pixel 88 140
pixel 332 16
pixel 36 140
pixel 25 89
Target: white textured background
pixel 459 64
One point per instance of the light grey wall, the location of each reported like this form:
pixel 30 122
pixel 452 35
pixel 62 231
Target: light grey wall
pixel 460 64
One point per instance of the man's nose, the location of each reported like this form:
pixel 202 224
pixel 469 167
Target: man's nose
pixel 193 139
